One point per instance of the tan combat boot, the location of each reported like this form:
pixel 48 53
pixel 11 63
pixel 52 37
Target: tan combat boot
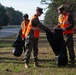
pixel 26 65
pixel 36 64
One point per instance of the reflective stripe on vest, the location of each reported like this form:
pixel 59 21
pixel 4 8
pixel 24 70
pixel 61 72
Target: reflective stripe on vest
pixel 60 18
pixel 65 24
pixel 30 27
pixel 24 28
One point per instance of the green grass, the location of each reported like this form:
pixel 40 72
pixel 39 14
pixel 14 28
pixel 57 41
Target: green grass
pixel 11 65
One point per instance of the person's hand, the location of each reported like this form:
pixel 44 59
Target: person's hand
pixel 64 29
pixel 52 31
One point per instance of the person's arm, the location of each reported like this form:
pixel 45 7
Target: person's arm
pixel 71 22
pixel 20 31
pixel 37 22
pixel 58 26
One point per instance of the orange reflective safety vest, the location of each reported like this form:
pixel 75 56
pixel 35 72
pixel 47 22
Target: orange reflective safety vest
pixel 30 27
pixel 60 19
pixel 65 23
pixel 24 28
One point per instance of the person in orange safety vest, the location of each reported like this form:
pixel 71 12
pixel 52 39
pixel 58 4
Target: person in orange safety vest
pixel 66 22
pixel 24 25
pixel 32 36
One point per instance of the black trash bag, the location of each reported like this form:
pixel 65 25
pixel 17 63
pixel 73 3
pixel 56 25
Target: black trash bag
pixel 62 59
pixel 53 41
pixel 58 45
pixel 18 45
pixel 18 42
pixel 17 51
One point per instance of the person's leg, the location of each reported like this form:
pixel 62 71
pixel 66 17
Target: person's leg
pixel 70 45
pixel 24 45
pixel 28 49
pixel 35 53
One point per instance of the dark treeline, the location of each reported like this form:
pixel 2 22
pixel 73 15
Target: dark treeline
pixel 10 16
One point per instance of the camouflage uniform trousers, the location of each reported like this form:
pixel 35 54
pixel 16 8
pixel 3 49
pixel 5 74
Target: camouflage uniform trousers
pixel 70 45
pixel 31 44
pixel 23 47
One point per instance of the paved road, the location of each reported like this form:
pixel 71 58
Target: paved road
pixel 11 31
pixel 8 32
